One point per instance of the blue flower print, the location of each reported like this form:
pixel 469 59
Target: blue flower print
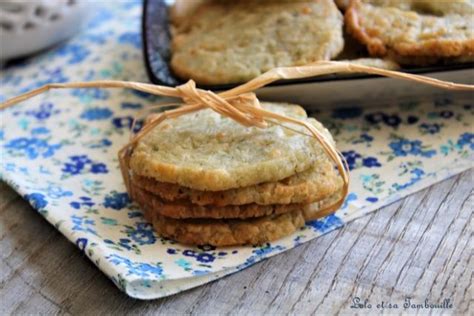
pixel 45 111
pixel 83 224
pixel 56 192
pixel 189 253
pixel 375 118
pixel 130 105
pixel 134 214
pixel 404 147
pixel 140 269
pixel 412 119
pixel 205 257
pixel 50 76
pixel 92 93
pixel 32 147
pixel 116 200
pixel 83 201
pixel 124 243
pixel 39 131
pixel 366 137
pixel 363 138
pixel 78 164
pixel 100 144
pixel 417 175
pixel 131 38
pixel 37 200
pixel 143 234
pixel 127 122
pixel 99 168
pixel 350 197
pixel 185 264
pixel 74 52
pixel 466 139
pixel 347 113
pixel 81 243
pixel 101 16
pixel 389 120
pixel 446 114
pixel 129 5
pixel 260 253
pixel 370 162
pixel 121 122
pixel 371 199
pixel 267 249
pixel 96 113
pixel 426 128
pixel 73 169
pixel 82 159
pixel 96 38
pixel 392 120
pixel 351 157
pixel 200 272
pixel 326 224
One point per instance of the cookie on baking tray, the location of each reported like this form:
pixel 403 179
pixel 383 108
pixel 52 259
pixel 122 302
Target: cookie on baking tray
pixel 414 31
pixel 205 179
pixel 234 41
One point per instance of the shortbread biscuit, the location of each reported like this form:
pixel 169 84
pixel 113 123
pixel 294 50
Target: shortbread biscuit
pixel 308 186
pixel 413 28
pixel 183 209
pixel 207 151
pixel 233 232
pixel 234 41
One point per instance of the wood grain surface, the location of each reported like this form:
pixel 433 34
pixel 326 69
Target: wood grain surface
pixel 419 247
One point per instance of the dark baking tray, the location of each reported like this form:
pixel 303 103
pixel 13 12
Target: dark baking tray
pixel 157 53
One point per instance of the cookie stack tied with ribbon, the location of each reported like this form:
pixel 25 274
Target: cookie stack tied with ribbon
pixel 225 169
pixel 206 179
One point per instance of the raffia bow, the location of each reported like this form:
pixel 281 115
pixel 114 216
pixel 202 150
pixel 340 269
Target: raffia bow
pixel 241 105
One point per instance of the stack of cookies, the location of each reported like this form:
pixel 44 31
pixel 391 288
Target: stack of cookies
pixel 203 178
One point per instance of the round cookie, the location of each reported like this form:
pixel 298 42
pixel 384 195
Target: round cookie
pixel 307 186
pixel 184 209
pixel 231 232
pixel 206 151
pixel 234 41
pixel 427 30
pixel 234 232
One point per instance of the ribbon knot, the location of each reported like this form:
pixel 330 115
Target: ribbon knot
pixel 233 106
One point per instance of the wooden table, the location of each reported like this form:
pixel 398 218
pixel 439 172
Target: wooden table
pixel 419 247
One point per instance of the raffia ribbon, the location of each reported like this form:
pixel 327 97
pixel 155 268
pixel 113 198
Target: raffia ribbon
pixel 241 105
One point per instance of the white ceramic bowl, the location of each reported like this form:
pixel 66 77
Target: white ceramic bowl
pixel 28 26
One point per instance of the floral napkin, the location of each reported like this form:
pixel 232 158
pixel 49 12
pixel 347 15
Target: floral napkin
pixel 59 151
